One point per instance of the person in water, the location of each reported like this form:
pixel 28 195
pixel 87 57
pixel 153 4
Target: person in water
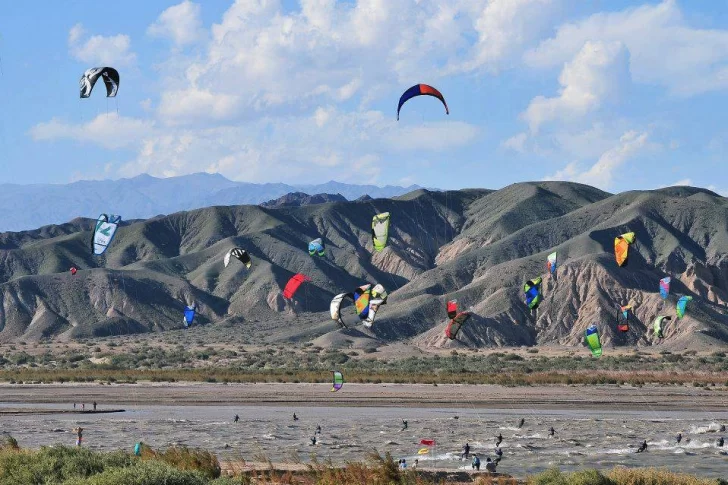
pixel 313 441
pixel 466 451
pixel 720 442
pixel 79 436
pixel 138 449
pixel 642 447
pixel 236 419
pixel 551 431
pixel 295 418
pixel 500 439
pixel 520 425
pixel 476 463
pixel 318 429
pixel 94 405
pixel 722 428
pixel 678 438
pixel 404 425
pixel 490 466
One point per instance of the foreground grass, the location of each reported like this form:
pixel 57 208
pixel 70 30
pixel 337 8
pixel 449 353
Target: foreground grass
pixel 60 465
pixel 163 364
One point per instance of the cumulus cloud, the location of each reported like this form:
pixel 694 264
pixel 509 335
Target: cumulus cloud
pixel 179 23
pixel 596 72
pixel 107 130
pixel 99 50
pixel 602 173
pixel 664 49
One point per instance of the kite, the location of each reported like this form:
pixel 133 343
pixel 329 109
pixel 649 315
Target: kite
pixel 239 254
pixel 621 247
pixel 89 78
pixel 532 289
pixel 658 327
pixel 338 381
pixel 682 303
pixel 380 230
pixel 104 232
pixel 456 319
pixel 427 442
pixel 665 287
pixel 190 311
pixel 591 335
pixel 366 299
pixel 293 284
pixel 73 270
pixel 421 90
pixel 551 262
pixel 316 247
pixel 624 315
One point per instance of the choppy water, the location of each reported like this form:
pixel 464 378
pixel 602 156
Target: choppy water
pixel 600 439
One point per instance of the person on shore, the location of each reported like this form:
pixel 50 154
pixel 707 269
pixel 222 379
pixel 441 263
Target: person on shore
pixel 720 442
pixel 236 419
pixel 404 425
pixel 489 465
pixel 466 451
pixel 295 418
pixel 417 462
pixel 520 425
pixel 318 429
pixel 500 440
pixel 476 463
pixel 79 435
pixel 643 447
pixel 402 464
pixel 94 405
pixel 138 449
pixel 313 441
pixel 678 438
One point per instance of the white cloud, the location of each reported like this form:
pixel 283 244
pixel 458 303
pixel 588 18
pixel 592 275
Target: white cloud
pixel 517 143
pixel 98 50
pixel 180 23
pixel 601 174
pixel 107 130
pixel 664 49
pixel 432 136
pixel 195 105
pixel 596 72
pixel 682 182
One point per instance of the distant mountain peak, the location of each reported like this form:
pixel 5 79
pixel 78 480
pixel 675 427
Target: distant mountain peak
pixel 297 199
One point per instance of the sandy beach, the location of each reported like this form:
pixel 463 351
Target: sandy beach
pixel 420 395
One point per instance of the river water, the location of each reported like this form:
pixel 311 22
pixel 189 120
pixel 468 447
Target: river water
pixel 595 438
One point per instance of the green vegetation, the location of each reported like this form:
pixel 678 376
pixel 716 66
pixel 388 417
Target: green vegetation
pixel 211 363
pixel 60 465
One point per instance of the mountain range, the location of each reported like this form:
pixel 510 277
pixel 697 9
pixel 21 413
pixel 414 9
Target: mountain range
pixel 475 245
pixel 146 196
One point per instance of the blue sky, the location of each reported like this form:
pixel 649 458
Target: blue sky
pixel 621 95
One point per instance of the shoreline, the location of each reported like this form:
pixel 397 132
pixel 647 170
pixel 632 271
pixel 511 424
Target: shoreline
pixel 566 397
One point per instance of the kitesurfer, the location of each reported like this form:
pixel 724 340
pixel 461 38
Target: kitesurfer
pixel 642 447
pixel 722 428
pixel 404 425
pixel 476 463
pixel 466 451
pixel 500 439
pixel 313 441
pixel 489 465
pixel 520 425
pixel 720 442
pixel 551 431
pixel 318 429
pixel 94 405
pixel 236 419
pixel 295 418
pixel 678 438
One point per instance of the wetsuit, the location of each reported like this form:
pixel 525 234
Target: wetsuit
pixel 520 425
pixel 466 451
pixel 313 440
pixel 678 438
pixel 295 418
pixel 500 439
pixel 720 442
pixel 642 447
pixel 237 418
pixel 490 466
pixel 722 428
pixel 404 425
pixel 552 431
